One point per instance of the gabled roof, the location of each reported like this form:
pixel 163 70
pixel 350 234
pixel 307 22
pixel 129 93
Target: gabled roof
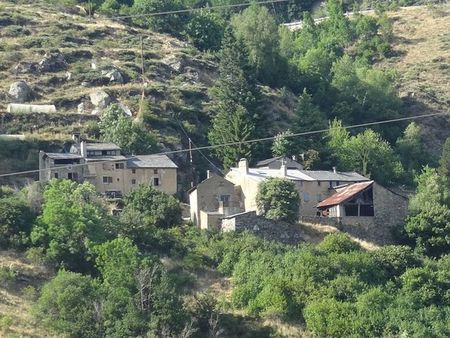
pixel 344 194
pixel 268 161
pixel 151 161
pixel 101 146
pixel 289 162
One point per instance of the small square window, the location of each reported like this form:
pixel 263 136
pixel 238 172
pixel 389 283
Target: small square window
pixel 133 181
pixel 155 171
pixel 133 171
pixel 107 179
pixel 156 181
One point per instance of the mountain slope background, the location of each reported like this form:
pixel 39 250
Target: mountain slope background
pixel 79 55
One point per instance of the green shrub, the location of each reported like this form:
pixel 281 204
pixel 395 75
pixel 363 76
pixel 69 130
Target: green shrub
pixel 338 243
pixel 278 199
pixel 6 321
pixel 7 276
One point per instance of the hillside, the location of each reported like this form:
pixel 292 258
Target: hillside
pixel 64 57
pixel 421 59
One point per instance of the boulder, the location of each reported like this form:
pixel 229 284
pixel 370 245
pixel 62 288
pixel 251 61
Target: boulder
pixel 52 62
pixel 20 92
pixel 114 75
pixel 25 68
pixel 100 99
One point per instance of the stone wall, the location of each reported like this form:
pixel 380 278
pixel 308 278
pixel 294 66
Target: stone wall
pixel 262 227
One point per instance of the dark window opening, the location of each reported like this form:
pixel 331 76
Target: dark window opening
pixel 66 161
pixel 72 176
pixel 133 171
pixel 366 210
pixel 225 199
pixel 120 165
pixel 133 181
pixel 104 152
pixel 155 171
pixel 156 181
pixel 56 175
pixel 107 179
pixel 351 210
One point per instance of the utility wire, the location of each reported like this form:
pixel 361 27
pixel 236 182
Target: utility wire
pixel 233 143
pixel 180 11
pixel 201 152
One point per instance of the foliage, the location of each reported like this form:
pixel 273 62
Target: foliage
pixel 283 144
pixel 338 243
pixel 411 150
pixel 429 220
pixel 205 30
pixel 73 219
pixel 67 305
pixel 444 161
pixel 308 117
pixel 156 208
pixel 234 98
pixel 172 24
pixel 366 153
pixel 278 199
pixel 16 220
pixel 130 136
pixel 259 31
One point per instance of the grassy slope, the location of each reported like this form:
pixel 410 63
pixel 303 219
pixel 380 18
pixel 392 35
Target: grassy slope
pixel 422 48
pixel 15 301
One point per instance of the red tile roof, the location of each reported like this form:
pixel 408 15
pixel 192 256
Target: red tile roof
pixel 344 194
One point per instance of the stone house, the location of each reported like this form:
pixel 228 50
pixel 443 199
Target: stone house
pixel 312 186
pixel 212 199
pixel 365 209
pixel 111 173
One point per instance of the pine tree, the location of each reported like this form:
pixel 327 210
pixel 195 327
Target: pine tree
pixel 444 161
pixel 234 97
pixel 308 117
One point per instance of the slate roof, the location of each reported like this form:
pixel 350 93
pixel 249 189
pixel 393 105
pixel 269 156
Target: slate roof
pixel 263 163
pixel 101 146
pixel 111 158
pixel 344 194
pixel 323 175
pixel 64 156
pixel 151 161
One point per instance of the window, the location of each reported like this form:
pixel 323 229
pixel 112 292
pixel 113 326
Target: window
pixel 319 183
pixel 56 175
pixel 133 171
pixel 225 199
pixel 156 181
pixel 306 197
pixel 120 165
pixel 133 181
pixel 72 176
pixel 107 179
pixel 155 171
pixel 104 152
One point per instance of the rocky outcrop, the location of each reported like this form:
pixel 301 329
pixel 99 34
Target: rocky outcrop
pixel 100 99
pixel 20 92
pixel 114 75
pixel 52 62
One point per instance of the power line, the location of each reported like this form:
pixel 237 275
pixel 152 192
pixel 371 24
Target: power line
pixel 233 143
pixel 180 11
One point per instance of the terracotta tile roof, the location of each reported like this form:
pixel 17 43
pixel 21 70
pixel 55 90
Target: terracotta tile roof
pixel 344 194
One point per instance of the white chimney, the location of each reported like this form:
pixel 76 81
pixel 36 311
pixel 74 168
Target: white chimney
pixel 83 151
pixel 334 170
pixel 283 168
pixel 208 174
pixel 243 165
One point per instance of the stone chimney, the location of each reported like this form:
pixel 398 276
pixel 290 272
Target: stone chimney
pixel 243 165
pixel 334 170
pixel 83 151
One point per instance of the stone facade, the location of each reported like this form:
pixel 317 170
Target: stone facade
pixel 213 195
pixel 262 227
